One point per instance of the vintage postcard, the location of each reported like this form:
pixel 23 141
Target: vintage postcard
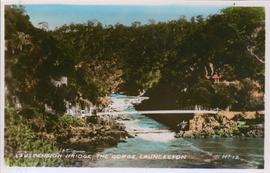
pixel 171 84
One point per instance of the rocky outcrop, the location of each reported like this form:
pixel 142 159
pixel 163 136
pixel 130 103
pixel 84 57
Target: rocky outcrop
pixel 96 132
pixel 203 125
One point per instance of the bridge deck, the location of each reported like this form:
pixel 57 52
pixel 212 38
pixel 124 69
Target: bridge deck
pixel 160 112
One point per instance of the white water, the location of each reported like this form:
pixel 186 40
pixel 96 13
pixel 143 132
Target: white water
pixel 133 126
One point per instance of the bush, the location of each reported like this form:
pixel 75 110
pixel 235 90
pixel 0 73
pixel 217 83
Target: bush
pixel 19 137
pixel 68 120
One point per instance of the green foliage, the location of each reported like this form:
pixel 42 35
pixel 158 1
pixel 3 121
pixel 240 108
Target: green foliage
pixel 229 42
pixel 20 137
pixel 68 120
pixel 30 131
pixel 35 58
pixel 16 20
pixel 98 60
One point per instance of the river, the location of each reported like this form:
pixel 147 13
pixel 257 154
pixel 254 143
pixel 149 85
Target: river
pixel 155 146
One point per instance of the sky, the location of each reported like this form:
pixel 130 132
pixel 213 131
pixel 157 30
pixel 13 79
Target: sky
pixel 58 15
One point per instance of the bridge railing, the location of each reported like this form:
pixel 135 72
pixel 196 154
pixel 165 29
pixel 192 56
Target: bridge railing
pixel 186 109
pixel 197 107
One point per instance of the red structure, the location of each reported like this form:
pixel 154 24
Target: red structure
pixel 216 77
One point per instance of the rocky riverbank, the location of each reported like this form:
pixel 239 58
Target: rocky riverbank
pixel 223 124
pixel 94 132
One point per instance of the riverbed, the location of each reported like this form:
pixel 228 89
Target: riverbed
pixel 155 146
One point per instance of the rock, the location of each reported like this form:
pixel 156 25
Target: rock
pixel 196 123
pixel 179 134
pixel 182 126
pixel 208 131
pixel 102 131
pixel 239 117
pixel 92 119
pixel 129 136
pixel 107 128
pixel 219 125
pixel 95 131
pixel 123 141
pixel 188 134
pixel 256 130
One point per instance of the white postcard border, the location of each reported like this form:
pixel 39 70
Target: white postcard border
pixel 265 3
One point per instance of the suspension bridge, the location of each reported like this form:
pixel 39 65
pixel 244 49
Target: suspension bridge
pixel 159 112
pixel 178 112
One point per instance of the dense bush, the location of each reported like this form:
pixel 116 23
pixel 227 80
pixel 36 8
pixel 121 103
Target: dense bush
pixel 20 137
